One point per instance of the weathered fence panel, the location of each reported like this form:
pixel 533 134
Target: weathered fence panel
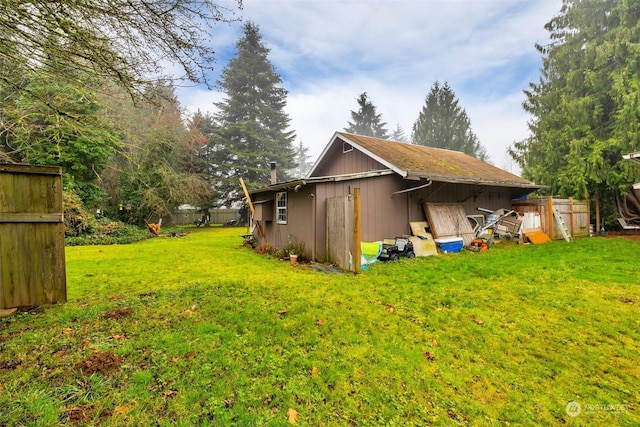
pixel 575 214
pixel 32 267
pixel 218 216
pixel 339 231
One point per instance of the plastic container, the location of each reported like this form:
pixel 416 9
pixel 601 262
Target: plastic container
pixel 450 244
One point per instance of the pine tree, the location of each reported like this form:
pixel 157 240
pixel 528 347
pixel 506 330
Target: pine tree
pixel 398 134
pixel 584 107
pixel 365 121
pixel 251 124
pixel 442 123
pixel 302 159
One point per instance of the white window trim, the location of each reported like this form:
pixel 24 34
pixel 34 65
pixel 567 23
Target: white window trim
pixel 281 207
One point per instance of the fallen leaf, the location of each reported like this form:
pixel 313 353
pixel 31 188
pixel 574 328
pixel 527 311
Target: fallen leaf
pixel 193 307
pixel 282 312
pixel 429 356
pixel 121 409
pixel 175 359
pixel 170 393
pixel 625 300
pixel 435 343
pixel 195 341
pixel 390 309
pixel 118 337
pixel 314 370
pixel 478 320
pixel 319 322
pixel 67 331
pixel 292 416
pixel 191 354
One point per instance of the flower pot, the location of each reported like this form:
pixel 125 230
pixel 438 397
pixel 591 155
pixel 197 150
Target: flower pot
pixel 293 258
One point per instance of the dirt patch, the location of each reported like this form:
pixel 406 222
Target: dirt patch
pixel 83 415
pixel 118 313
pixel 99 362
pixel 630 235
pixel 9 365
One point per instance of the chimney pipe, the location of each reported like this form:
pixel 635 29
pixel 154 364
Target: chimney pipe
pixel 274 179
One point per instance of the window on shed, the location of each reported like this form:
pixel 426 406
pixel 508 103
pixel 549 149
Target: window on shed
pixel 281 207
pixel 346 147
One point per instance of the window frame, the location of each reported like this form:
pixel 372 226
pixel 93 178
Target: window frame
pixel 281 207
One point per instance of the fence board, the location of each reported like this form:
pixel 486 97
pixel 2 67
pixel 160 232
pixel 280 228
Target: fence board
pixel 575 214
pixel 339 230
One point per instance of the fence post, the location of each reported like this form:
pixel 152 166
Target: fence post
pixel 357 231
pixel 550 216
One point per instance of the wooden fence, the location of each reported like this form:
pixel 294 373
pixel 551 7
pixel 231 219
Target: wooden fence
pixel 218 216
pixel 32 267
pixel 575 214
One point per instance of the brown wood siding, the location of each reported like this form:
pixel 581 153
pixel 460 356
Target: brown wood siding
pixel 338 163
pixel 470 196
pixel 383 214
pixel 32 267
pixel 299 225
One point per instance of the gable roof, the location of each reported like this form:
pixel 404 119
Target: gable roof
pixel 417 161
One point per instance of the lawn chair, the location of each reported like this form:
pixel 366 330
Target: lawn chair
pixel 628 227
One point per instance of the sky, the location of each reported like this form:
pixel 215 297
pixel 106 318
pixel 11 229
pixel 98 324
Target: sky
pixel 328 52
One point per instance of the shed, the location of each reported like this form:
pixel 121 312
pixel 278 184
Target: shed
pixel 395 181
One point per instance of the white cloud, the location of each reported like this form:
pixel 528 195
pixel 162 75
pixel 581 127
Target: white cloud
pixel 329 52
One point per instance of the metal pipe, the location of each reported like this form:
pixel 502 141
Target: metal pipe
pixel 406 190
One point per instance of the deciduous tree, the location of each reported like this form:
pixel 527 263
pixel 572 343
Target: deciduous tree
pixel 73 135
pixel 158 166
pixel 125 41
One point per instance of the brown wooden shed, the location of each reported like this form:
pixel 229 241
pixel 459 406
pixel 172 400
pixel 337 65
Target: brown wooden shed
pixel 32 270
pixel 394 179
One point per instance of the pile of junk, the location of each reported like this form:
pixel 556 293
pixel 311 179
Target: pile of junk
pixel 449 229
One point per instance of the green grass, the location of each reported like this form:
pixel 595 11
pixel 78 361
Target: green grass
pixel 205 332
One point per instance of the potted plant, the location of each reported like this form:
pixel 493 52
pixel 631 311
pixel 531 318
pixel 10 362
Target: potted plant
pixel 294 248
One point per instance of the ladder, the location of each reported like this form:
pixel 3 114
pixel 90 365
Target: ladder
pixel 563 226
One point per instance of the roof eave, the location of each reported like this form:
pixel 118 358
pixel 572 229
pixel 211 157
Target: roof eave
pixel 474 180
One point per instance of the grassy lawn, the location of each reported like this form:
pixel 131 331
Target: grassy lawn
pixel 196 330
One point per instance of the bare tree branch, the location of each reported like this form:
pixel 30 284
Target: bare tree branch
pixel 126 41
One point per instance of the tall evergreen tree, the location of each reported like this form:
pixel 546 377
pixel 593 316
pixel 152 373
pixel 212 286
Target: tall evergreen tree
pixel 398 134
pixel 442 123
pixel 302 159
pixel 251 122
pixel 586 106
pixel 365 121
